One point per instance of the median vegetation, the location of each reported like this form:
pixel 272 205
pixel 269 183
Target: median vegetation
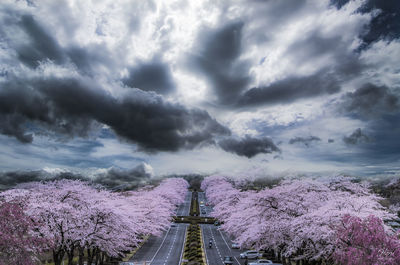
pixel 194 205
pixel 193 252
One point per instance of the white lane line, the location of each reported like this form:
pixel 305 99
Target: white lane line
pixel 170 248
pixel 183 245
pixel 204 243
pixel 216 246
pixel 160 245
pixel 228 246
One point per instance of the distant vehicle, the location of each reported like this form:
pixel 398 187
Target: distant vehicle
pixel 207 204
pixel 203 211
pixel 217 223
pixel 261 261
pixel 228 260
pixel 173 225
pixel 235 245
pixel 250 254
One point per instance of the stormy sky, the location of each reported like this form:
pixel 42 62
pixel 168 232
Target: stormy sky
pixel 124 90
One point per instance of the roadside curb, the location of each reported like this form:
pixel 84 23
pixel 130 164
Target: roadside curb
pixel 183 248
pixel 203 252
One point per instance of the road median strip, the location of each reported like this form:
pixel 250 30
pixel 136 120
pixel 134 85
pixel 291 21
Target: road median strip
pixel 193 251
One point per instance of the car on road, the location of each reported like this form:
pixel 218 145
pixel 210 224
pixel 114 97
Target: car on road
pixel 217 223
pixel 228 260
pixel 261 261
pixel 235 246
pixel 250 254
pixel 203 211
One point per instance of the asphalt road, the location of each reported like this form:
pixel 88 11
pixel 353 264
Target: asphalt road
pixel 184 208
pixel 165 249
pixel 202 198
pixel 221 246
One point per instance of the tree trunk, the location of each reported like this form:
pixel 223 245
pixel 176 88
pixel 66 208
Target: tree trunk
pixel 70 254
pixel 90 256
pixel 58 257
pixel 97 258
pixel 80 255
pixel 102 258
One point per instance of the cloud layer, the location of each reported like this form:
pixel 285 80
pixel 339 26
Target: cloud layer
pixel 110 178
pixel 195 82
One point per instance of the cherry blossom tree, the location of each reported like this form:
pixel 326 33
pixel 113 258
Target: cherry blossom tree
pixel 365 241
pixel 18 245
pixel 296 218
pixel 73 215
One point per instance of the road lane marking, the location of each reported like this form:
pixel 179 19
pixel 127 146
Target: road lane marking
pixel 170 248
pixel 204 244
pixel 228 246
pixel 160 245
pixel 183 245
pixel 216 246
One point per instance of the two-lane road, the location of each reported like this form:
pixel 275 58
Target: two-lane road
pixel 202 198
pixel 166 249
pixel 221 246
pixel 184 208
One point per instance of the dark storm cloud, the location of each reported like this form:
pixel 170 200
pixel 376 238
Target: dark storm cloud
pixel 370 101
pixel 385 25
pixel 110 178
pixel 344 65
pixel 153 76
pixel 291 89
pixel 314 45
pixel 229 76
pixel 218 61
pixel 248 146
pixel 306 141
pixel 24 103
pixel 115 177
pixel 12 178
pixel 356 137
pixel 71 106
pixel 86 59
pixel 41 45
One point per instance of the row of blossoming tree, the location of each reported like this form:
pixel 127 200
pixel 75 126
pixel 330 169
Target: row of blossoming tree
pixel 331 219
pixel 68 218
